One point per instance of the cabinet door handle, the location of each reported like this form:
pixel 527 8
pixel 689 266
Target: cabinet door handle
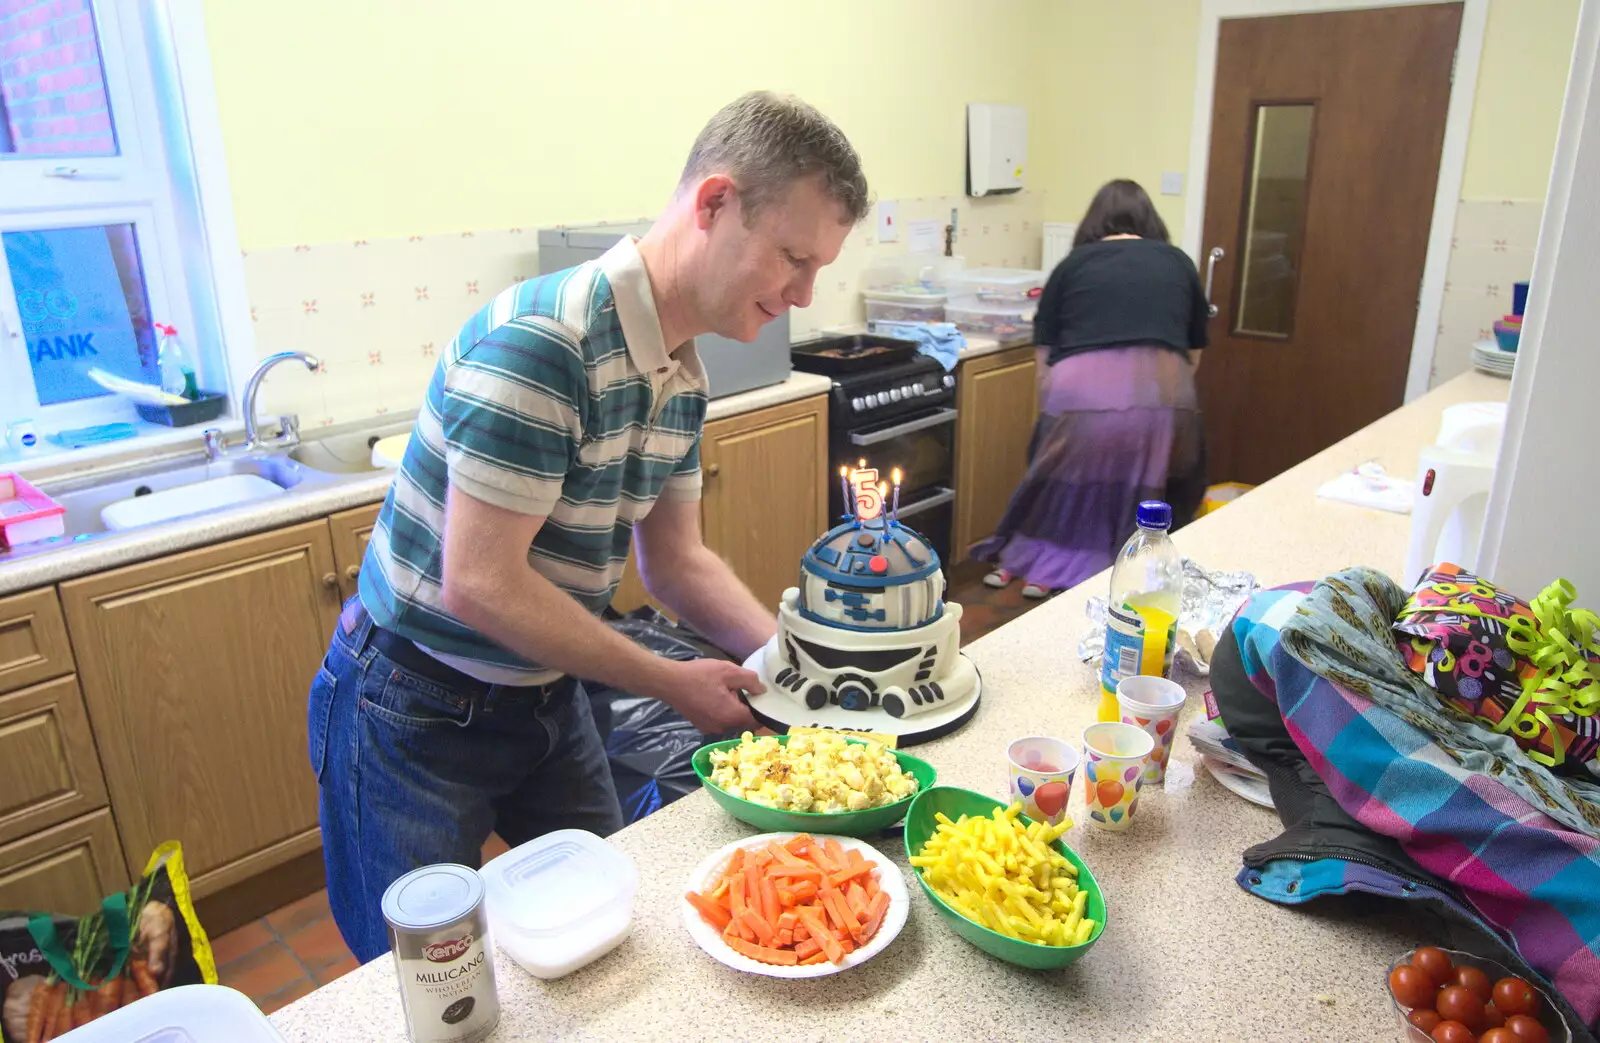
pixel 352 573
pixel 330 579
pixel 713 470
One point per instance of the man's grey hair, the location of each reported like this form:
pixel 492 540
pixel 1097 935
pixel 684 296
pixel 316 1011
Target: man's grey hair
pixel 765 142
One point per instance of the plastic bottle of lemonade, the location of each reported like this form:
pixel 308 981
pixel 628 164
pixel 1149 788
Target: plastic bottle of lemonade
pixel 1142 611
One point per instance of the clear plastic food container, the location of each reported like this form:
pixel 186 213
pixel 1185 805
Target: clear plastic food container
pixel 560 901
pixel 905 307
pixel 186 1014
pixel 911 273
pixel 1006 325
pixel 995 287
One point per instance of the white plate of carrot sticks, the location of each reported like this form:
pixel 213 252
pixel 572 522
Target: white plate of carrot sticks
pixel 821 904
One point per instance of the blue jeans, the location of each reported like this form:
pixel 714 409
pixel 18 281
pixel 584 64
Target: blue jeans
pixel 413 772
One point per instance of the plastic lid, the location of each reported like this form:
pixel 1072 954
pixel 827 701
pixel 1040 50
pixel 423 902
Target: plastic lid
pixel 185 1014
pixel 552 882
pixel 432 896
pixel 1155 514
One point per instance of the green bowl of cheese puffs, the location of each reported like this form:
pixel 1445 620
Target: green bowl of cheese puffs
pixel 1006 884
pixel 767 781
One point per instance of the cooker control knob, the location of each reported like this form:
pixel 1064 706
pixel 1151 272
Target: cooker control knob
pixel 894 394
pixel 857 404
pixel 949 381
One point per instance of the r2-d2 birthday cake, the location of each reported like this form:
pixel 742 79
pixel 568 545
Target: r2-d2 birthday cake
pixel 867 641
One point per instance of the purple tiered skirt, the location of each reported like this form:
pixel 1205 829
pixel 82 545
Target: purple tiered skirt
pixel 1115 427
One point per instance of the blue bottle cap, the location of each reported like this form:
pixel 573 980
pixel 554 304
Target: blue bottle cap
pixel 1155 514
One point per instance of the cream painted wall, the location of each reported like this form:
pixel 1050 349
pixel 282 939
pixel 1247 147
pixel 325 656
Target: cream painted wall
pixel 363 119
pixel 1119 99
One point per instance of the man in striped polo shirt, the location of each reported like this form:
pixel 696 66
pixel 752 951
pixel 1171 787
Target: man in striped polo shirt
pixel 562 424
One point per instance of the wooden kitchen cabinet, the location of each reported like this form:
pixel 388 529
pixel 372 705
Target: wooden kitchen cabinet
pixel 195 670
pixel 350 531
pixel 766 491
pixel 998 401
pixel 33 639
pixel 66 869
pixel 764 499
pixel 48 768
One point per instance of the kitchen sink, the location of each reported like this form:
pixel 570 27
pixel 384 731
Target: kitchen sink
pixel 346 453
pixel 173 489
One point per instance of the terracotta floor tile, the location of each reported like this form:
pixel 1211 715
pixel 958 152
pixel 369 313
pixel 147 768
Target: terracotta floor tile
pixel 494 846
pixel 318 944
pixel 239 941
pixel 286 995
pixel 296 915
pixel 263 972
pixel 335 971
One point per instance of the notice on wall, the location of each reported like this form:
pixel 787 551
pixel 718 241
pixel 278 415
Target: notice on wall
pixel 925 236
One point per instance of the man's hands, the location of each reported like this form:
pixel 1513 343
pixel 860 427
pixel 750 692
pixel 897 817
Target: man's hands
pixel 706 692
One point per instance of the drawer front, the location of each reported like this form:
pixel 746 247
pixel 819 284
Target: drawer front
pixel 65 869
pixel 49 771
pixel 33 639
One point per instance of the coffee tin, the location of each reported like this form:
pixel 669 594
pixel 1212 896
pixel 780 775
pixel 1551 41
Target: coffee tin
pixel 439 932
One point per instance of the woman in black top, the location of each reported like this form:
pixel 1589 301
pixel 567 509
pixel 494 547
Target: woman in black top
pixel 1122 321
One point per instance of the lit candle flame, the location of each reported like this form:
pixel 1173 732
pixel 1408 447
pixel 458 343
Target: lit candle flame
pixel 895 474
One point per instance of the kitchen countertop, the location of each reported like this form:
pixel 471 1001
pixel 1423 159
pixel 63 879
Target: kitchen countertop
pixel 111 551
pixel 1186 955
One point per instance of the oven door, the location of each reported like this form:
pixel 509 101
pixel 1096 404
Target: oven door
pixel 922 446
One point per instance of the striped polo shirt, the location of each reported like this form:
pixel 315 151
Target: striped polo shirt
pixel 558 399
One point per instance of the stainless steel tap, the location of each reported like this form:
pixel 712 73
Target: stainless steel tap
pixel 290 424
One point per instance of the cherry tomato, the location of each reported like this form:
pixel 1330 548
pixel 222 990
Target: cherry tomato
pixel 1515 996
pixel 1493 1016
pixel 1458 1003
pixel 1499 1035
pixel 1474 979
pixel 1435 963
pixel 1526 1030
pixel 1425 1018
pixel 1453 1032
pixel 1411 986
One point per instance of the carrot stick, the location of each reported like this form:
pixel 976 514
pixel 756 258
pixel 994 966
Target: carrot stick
pixel 784 857
pixel 820 932
pixel 804 891
pixel 710 911
pixel 856 895
pixel 760 859
pixel 844 876
pixel 787 921
pixel 835 852
pixel 796 872
pixel 735 864
pixel 840 916
pixel 769 900
pixel 782 957
pixel 855 858
pixel 816 957
pixel 806 948
pixel 736 896
pixel 785 939
pixel 719 894
pixel 799 842
pixel 752 887
pixel 763 930
pixel 879 906
pixel 872 887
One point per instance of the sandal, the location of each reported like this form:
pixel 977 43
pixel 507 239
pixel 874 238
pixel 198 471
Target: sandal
pixel 998 579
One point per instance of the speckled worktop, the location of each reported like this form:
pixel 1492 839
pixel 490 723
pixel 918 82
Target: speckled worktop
pixel 1186 955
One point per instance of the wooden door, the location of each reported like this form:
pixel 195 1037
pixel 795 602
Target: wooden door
pixel 766 499
pixel 1326 136
pixel 998 402
pixel 33 639
pixel 351 531
pixel 65 869
pixel 195 670
pixel 48 768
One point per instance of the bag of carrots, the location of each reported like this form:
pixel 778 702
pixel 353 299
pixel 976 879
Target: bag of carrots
pixel 60 972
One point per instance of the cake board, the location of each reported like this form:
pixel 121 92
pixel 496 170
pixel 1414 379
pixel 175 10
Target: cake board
pixel 780 713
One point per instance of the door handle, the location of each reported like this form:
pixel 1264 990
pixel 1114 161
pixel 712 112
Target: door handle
pixel 352 573
pixel 1212 258
pixel 934 419
pixel 928 503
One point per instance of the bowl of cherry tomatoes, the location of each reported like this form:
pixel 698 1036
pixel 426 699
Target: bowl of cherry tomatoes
pixel 1446 996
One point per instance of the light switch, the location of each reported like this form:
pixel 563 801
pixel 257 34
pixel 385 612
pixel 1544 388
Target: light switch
pixel 1172 183
pixel 888 221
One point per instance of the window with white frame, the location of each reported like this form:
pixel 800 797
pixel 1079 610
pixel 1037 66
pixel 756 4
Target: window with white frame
pixel 91 227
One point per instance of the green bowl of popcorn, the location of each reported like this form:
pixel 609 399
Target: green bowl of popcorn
pixel 812 783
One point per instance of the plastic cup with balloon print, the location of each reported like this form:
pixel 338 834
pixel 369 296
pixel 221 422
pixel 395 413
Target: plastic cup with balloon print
pixel 1113 770
pixel 1152 703
pixel 1041 772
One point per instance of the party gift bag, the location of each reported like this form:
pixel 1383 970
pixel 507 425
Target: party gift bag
pixel 1526 669
pixel 59 972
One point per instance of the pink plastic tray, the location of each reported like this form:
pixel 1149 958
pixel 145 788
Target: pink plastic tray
pixel 26 514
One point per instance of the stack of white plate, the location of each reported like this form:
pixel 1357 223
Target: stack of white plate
pixel 1488 358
